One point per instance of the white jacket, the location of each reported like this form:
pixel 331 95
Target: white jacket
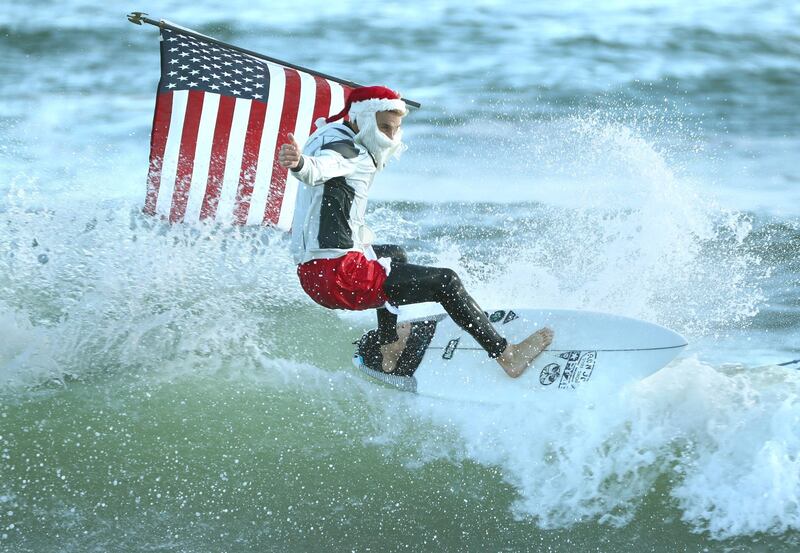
pixel 335 177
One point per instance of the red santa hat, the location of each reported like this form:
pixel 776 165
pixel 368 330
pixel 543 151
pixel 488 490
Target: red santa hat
pixel 369 99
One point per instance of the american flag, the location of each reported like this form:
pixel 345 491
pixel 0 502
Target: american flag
pixel 221 116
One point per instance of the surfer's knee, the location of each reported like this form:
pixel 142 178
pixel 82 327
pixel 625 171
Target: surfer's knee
pixel 449 283
pixel 450 279
pixel 396 253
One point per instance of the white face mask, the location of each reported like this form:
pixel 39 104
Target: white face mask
pixel 378 144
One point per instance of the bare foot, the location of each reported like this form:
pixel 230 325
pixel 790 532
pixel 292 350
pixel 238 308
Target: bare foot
pixel 518 357
pixel 391 352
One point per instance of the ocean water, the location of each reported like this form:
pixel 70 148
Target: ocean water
pixel 172 389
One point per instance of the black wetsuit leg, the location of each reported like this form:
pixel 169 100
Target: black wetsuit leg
pixel 387 321
pixel 407 284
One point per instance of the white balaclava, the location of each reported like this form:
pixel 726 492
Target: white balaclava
pixel 378 144
pixel 363 103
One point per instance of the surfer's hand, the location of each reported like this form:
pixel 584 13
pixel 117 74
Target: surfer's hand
pixel 289 155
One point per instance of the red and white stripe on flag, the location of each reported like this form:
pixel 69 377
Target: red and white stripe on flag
pixel 213 155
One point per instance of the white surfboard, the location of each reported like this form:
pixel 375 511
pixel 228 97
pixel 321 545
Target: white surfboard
pixel 589 349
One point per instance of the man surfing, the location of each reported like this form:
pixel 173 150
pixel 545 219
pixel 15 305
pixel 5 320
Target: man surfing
pixel 337 263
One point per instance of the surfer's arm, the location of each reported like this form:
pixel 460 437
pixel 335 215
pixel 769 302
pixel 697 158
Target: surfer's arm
pixel 337 159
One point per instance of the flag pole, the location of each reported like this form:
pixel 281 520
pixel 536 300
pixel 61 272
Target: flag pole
pixel 140 17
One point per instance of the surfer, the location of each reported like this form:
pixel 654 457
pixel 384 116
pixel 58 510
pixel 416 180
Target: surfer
pixel 337 264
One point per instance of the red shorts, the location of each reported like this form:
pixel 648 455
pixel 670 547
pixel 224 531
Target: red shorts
pixel 348 282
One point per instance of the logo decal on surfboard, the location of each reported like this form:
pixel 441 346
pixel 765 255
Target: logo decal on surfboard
pixel 578 368
pixel 450 349
pixel 550 374
pixel 497 316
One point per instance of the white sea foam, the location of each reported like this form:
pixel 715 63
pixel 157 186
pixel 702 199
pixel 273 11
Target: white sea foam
pixel 26 352
pixel 743 475
pixel 725 442
pixel 111 289
pixel 622 232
